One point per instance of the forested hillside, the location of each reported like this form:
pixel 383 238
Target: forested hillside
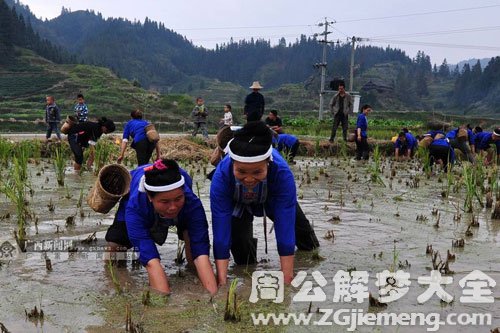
pixel 15 31
pixel 159 59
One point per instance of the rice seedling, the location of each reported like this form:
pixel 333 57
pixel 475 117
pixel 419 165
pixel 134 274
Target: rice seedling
pixel 343 150
pixel 374 168
pixel 6 148
pixel 114 278
pixel 60 165
pixel 423 155
pixel 146 297
pixel 179 259
pixel 34 314
pixel 79 204
pixel 21 154
pixel 104 149
pixel 395 256
pixel 198 189
pixel 493 180
pixel 232 310
pixel 51 206
pixel 480 173
pixel 375 303
pixel 48 263
pixel 15 190
pixel 317 148
pixel 68 194
pixel 450 180
pixel 130 326
pixel 315 256
pixel 469 180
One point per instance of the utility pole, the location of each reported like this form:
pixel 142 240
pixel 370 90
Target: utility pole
pixel 354 39
pixel 323 63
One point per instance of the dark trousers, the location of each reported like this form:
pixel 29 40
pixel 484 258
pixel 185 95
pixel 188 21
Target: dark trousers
pixel 463 147
pixel 340 118
pixel 144 149
pixel 362 148
pixel 200 127
pixel 442 153
pixel 76 148
pixel 244 245
pixel 52 126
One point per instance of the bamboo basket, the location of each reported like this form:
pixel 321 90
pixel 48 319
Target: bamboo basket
pixel 70 121
pixel 425 142
pixel 151 133
pixel 113 182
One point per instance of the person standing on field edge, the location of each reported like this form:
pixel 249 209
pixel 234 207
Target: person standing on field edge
pixel 200 113
pixel 254 103
pixel 341 106
pixel 228 116
pixel 52 118
pixel 81 109
pixel 362 148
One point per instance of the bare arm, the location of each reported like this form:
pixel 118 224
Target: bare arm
pixel 157 148
pixel 221 266
pixel 287 268
pixel 123 148
pixel 206 274
pixel 157 277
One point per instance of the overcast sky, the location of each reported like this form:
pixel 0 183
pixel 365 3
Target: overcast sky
pixel 452 29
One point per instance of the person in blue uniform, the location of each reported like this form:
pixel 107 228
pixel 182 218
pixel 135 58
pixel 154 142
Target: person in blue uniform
pixel 405 145
pixel 441 152
pixel 362 148
pixel 136 128
pixel 160 196
pixel 463 139
pixel 287 143
pixel 483 141
pixel 254 180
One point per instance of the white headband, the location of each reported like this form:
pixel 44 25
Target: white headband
pixel 249 159
pixel 495 134
pixel 143 186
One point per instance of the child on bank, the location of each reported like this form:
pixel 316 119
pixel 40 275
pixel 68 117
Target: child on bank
pixel 228 116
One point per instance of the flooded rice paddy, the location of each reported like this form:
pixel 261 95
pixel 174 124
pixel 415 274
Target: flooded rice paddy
pixel 362 226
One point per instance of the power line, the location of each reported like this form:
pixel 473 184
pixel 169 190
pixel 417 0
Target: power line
pixel 442 32
pixel 457 46
pixel 345 21
pixel 417 14
pixel 248 27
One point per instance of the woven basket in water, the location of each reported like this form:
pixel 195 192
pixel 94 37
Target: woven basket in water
pixel 113 182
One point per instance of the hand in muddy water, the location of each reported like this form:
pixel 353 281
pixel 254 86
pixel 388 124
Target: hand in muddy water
pixel 155 297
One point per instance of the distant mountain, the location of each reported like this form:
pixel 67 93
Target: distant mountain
pixel 16 31
pixel 160 59
pixel 471 62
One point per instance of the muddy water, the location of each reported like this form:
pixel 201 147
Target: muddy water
pixel 371 220
pixel 375 218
